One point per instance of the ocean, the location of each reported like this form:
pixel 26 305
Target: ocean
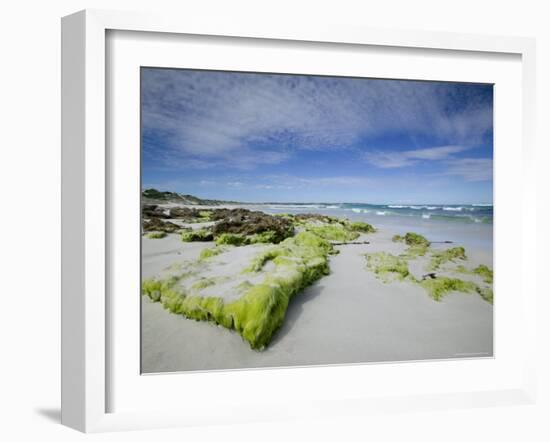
pixel 467 224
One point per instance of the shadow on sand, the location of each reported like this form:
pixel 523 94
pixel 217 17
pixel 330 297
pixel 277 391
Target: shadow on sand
pixel 295 309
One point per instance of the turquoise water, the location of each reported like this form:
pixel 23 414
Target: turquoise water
pixel 467 213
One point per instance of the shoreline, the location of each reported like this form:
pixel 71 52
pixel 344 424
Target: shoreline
pixel 346 316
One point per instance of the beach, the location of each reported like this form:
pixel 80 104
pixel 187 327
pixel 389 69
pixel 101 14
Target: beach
pixel 349 313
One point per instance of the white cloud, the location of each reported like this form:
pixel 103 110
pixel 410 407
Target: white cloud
pixel 397 159
pixel 299 182
pixel 335 181
pixel 471 169
pixel 249 120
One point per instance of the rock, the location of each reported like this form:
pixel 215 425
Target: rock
pixel 183 212
pixel 233 221
pixel 308 217
pixel 153 211
pixel 158 225
pixel 246 222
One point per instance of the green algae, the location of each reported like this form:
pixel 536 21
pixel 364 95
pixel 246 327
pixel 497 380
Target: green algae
pixel 414 239
pixel 387 266
pixel 439 287
pixel 362 227
pixel 482 270
pixel 418 244
pixel 155 235
pixel 203 283
pixel 415 251
pixel 152 288
pixel 269 236
pixel 233 239
pixel 242 287
pixel 397 238
pixel 441 257
pixel 297 262
pixel 332 232
pixel 205 215
pixel 209 253
pixel 303 246
pixel 485 272
pixel 260 260
pixel 486 293
pixel 197 235
pixel 237 239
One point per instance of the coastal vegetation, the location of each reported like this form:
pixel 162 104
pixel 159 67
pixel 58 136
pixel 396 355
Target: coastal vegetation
pixel 154 196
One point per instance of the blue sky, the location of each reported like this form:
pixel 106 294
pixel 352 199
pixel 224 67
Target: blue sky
pixel 299 138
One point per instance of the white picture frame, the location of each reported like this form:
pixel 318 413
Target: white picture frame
pixel 85 210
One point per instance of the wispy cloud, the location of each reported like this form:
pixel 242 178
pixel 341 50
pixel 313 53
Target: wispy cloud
pixel 471 169
pixel 397 159
pixel 334 181
pixel 248 120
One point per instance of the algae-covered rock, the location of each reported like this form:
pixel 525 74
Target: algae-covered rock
pixel 418 244
pixel 155 235
pixel 153 211
pixel 301 219
pixel 233 239
pixel 197 235
pixel 269 236
pixel 332 232
pixel 245 222
pixel 414 239
pixel 237 239
pixel 253 301
pixel 359 226
pixel 160 225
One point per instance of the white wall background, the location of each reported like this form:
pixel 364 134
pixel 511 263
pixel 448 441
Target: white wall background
pixel 30 216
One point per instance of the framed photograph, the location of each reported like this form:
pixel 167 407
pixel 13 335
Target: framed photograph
pixel 268 222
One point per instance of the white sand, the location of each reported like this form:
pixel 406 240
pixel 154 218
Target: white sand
pixel 348 316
